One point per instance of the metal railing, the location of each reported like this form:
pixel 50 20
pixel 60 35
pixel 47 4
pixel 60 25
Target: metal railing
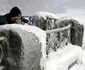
pixel 57 38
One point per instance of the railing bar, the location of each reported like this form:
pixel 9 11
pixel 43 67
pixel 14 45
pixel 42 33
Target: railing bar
pixel 51 46
pixel 53 36
pixel 59 29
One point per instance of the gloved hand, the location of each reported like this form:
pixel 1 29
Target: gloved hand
pixel 24 20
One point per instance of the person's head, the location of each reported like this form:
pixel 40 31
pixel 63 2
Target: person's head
pixel 15 13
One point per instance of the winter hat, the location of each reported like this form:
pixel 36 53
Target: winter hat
pixel 15 11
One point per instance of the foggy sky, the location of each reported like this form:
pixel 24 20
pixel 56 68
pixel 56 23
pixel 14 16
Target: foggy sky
pixel 29 7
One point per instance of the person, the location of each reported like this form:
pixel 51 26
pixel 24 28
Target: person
pixel 12 17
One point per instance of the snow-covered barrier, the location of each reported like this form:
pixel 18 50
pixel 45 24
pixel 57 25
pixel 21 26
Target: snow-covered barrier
pixel 77 29
pixel 58 38
pixel 22 47
pixel 45 14
pixel 65 58
pixel 44 20
pixel 57 34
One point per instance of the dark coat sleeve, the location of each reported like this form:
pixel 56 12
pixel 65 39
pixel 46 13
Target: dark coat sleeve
pixel 3 20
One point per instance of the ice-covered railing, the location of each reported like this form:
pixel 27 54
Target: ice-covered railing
pixel 58 38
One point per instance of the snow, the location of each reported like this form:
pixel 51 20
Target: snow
pixel 83 59
pixel 78 67
pixel 45 14
pixel 61 59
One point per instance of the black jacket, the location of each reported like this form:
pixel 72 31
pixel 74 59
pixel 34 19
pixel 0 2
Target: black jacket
pixel 5 19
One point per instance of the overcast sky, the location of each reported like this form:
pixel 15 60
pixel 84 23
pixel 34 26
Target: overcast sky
pixel 29 7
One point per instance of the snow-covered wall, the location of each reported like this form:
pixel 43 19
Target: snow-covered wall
pixel 40 34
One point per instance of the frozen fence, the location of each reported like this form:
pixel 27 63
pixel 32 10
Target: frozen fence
pixel 58 38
